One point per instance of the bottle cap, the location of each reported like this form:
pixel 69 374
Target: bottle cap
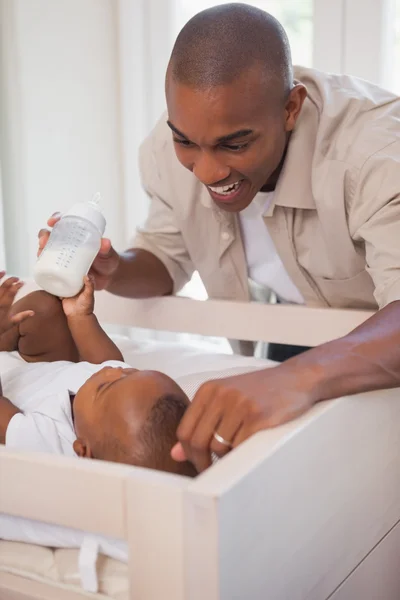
pixel 89 211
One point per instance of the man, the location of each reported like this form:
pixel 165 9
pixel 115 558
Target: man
pixel 290 179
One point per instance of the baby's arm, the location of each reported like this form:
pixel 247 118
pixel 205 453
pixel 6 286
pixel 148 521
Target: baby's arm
pixel 91 340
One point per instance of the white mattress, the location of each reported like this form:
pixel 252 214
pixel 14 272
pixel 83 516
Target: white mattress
pixel 60 566
pixel 177 360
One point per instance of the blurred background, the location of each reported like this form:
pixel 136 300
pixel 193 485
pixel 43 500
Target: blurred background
pixel 81 84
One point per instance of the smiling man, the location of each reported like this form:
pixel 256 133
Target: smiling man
pixel 266 177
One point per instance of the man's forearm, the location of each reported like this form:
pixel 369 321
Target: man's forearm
pixel 366 359
pixel 91 340
pixel 140 274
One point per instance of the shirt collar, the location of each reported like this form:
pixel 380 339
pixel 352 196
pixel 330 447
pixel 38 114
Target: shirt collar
pixel 294 189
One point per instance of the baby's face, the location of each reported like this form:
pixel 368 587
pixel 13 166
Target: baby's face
pixel 121 396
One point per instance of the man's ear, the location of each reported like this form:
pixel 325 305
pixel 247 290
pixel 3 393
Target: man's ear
pixel 82 448
pixel 294 105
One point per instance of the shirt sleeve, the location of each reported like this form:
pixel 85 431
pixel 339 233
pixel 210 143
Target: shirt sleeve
pixel 161 234
pixel 374 219
pixel 35 432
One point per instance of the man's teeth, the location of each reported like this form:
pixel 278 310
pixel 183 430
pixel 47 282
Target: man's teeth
pixel 225 189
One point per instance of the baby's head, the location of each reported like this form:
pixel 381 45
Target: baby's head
pixel 130 416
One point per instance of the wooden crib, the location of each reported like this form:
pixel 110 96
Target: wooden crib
pixel 306 511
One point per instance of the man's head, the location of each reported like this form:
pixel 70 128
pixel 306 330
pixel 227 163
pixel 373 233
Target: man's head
pixel 232 102
pixel 130 416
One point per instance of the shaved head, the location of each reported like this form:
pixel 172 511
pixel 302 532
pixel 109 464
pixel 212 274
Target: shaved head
pixel 219 44
pixel 232 102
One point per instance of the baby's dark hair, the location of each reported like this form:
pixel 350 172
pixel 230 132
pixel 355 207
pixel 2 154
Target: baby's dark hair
pixel 158 435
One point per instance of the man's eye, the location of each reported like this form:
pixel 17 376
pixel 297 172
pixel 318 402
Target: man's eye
pixel 185 143
pixel 235 147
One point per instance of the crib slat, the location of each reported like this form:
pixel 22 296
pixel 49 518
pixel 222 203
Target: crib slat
pixel 155 518
pixel 84 494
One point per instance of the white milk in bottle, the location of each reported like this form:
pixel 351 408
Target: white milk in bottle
pixel 71 248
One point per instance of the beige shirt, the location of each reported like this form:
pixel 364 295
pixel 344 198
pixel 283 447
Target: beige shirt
pixel 335 216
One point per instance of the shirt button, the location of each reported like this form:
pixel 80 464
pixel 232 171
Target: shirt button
pixel 225 236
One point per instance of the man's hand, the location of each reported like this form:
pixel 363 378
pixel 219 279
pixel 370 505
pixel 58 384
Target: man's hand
pixel 105 264
pixel 8 291
pixel 81 305
pixel 235 408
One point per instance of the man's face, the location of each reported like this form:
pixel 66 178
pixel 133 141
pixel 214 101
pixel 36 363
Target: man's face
pixel 231 137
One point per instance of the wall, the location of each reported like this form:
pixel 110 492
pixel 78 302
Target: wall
pixel 59 115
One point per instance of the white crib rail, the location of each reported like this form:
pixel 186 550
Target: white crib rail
pixel 278 323
pixel 288 324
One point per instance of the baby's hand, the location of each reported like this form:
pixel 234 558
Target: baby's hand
pixel 8 291
pixel 82 304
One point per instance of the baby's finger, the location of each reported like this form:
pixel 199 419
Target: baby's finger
pixel 10 287
pixel 8 293
pixel 21 316
pixel 9 282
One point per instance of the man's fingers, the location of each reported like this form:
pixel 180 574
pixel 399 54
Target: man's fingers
pixel 198 448
pixel 191 417
pixel 43 233
pixel 197 426
pixel 228 428
pixel 105 247
pixel 53 219
pixel 178 453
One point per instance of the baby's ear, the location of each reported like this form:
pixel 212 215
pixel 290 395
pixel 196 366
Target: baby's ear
pixel 82 449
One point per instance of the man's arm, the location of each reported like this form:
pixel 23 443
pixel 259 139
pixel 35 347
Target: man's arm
pixel 236 407
pixel 366 359
pixel 138 274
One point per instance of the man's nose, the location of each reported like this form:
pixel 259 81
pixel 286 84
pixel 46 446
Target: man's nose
pixel 209 170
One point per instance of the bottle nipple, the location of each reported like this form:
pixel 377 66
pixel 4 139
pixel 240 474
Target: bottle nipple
pixel 96 199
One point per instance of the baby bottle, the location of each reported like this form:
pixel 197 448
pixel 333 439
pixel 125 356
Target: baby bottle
pixel 70 250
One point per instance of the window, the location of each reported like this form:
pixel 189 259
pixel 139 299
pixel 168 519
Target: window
pixel 295 15
pixel 396 62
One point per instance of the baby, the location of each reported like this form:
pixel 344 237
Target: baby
pixel 67 391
